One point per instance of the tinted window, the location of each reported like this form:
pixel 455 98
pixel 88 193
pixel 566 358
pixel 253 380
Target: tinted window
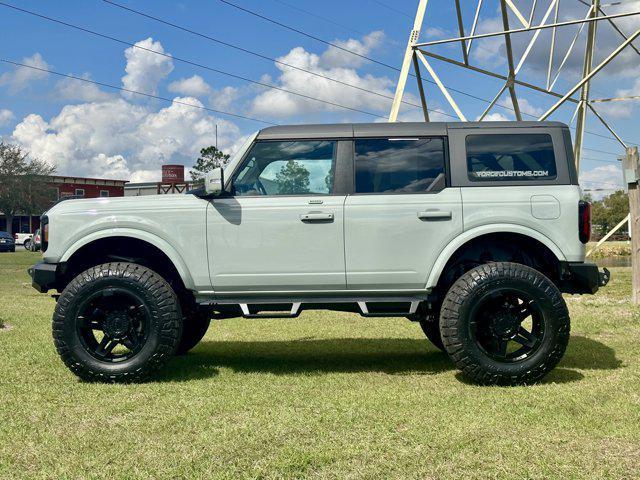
pixel 410 165
pixel 287 168
pixel 5 235
pixel 510 157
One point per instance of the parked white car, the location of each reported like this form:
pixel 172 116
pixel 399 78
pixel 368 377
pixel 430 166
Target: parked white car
pixel 23 239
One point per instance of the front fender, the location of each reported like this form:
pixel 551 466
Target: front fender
pixel 148 237
pixel 476 232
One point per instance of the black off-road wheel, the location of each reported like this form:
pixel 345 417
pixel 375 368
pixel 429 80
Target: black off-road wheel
pixel 194 328
pixel 431 329
pixel 504 324
pixel 117 322
pixel 429 323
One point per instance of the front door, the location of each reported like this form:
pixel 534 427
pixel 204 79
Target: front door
pixel 401 215
pixel 281 229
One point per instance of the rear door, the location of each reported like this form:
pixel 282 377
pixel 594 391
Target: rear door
pixel 282 228
pixel 402 212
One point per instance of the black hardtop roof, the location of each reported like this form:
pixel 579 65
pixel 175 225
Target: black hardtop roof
pixel 350 130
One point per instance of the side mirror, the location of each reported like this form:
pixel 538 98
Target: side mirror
pixel 214 182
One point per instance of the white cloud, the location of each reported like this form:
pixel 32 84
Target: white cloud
pixel 5 116
pixel 194 86
pixel 145 69
pixel 77 90
pixel 495 117
pixel 118 139
pixel 20 77
pixel 336 57
pixel 332 63
pixel 605 178
pixel 223 98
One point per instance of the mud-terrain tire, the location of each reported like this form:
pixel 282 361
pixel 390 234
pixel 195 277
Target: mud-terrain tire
pixel 133 308
pixel 194 328
pixel 482 310
pixel 431 329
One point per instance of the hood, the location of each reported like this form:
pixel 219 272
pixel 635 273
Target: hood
pixel 107 204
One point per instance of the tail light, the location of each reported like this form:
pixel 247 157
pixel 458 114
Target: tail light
pixel 44 237
pixel 15 236
pixel 584 221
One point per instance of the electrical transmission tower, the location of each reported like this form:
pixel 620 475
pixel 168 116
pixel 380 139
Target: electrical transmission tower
pixel 418 53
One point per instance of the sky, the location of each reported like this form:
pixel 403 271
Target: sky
pixel 200 78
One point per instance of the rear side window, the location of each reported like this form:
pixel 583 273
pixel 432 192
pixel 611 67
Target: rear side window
pixel 510 157
pixel 404 165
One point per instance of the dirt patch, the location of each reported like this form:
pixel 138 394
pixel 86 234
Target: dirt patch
pixel 5 327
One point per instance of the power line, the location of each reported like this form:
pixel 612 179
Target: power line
pixel 320 17
pixel 606 184
pixel 613 162
pixel 296 30
pixel 264 57
pixel 128 90
pixel 392 9
pixel 189 62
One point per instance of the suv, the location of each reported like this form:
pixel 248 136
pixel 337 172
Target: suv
pixel 471 229
pixel 23 239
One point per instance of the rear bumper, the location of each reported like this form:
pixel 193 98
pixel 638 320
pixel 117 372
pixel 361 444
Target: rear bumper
pixel 44 276
pixel 582 277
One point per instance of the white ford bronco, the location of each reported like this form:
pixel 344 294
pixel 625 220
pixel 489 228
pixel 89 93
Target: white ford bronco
pixel 472 230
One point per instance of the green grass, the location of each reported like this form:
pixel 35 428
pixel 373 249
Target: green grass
pixel 327 395
pixel 610 249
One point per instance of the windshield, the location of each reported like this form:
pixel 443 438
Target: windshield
pixel 237 156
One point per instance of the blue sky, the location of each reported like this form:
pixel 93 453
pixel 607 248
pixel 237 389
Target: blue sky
pixel 89 130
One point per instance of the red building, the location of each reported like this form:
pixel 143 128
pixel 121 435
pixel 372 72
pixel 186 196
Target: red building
pixel 80 187
pixel 67 187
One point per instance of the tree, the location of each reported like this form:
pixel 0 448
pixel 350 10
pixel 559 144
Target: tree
pixel 24 186
pixel 292 179
pixel 608 212
pixel 209 159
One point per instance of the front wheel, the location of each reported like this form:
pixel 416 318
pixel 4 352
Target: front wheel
pixel 194 327
pixel 504 324
pixel 117 322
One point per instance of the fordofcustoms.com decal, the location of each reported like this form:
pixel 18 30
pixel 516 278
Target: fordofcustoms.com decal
pixel 511 173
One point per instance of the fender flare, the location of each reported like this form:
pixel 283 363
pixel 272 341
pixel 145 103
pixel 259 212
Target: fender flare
pixel 162 245
pixel 476 232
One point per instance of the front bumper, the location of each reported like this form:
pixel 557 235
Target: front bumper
pixel 45 276
pixel 582 277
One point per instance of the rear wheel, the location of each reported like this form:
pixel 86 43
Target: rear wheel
pixel 117 322
pixel 504 323
pixel 27 244
pixel 194 328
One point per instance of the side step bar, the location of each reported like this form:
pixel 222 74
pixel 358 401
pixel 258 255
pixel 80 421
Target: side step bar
pixel 374 307
pixel 247 310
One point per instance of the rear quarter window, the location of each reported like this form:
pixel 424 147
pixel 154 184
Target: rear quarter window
pixel 510 157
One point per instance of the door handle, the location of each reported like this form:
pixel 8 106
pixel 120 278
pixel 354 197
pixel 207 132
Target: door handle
pixel 317 217
pixel 434 215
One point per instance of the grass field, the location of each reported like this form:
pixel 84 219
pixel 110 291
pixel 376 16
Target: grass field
pixel 323 396
pixel 610 249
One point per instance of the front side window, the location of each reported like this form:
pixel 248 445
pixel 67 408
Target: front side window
pixel 510 157
pixel 287 168
pixel 403 165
